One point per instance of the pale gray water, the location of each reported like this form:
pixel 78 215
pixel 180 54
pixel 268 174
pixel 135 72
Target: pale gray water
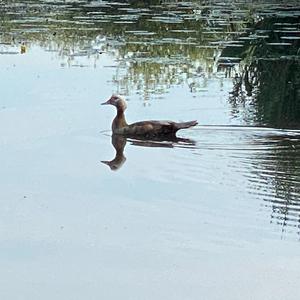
pixel 213 218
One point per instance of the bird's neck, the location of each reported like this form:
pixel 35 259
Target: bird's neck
pixel 119 121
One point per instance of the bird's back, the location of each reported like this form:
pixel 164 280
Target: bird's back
pixel 157 128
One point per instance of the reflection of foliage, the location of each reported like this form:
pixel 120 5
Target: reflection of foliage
pixel 154 68
pixel 270 78
pixel 272 87
pixel 270 37
pixel 279 169
pixel 157 43
pixel 277 100
pixel 267 91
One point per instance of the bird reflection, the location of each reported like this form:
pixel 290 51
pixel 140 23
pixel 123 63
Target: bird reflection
pixel 119 143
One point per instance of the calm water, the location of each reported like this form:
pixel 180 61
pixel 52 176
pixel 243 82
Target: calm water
pixel 213 215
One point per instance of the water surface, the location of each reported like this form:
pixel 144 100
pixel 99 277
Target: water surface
pixel 212 215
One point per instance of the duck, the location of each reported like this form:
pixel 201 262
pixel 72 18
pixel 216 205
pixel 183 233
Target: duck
pixel 146 129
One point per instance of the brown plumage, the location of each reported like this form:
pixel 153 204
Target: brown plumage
pixel 143 128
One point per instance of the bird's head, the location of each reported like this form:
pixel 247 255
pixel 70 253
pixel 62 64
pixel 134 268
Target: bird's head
pixel 117 101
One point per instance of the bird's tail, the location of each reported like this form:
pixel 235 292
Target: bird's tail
pixel 185 124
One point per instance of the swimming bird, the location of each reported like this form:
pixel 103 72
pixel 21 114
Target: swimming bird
pixel 146 129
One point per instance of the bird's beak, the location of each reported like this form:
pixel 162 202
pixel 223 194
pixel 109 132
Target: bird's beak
pixel 106 103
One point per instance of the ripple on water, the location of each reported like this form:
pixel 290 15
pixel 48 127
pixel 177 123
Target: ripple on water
pixel 257 163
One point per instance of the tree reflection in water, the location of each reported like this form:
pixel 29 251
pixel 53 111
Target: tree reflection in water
pixel 267 92
pixel 269 81
pixel 278 170
pixel 157 44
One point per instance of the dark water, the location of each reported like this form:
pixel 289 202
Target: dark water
pixel 214 214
